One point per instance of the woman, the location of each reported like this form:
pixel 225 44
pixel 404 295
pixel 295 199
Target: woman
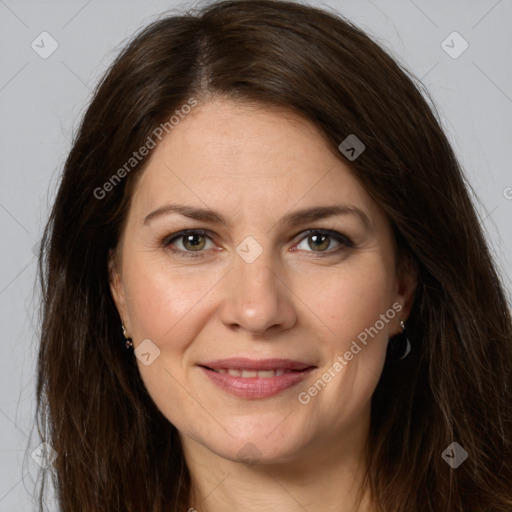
pixel 265 284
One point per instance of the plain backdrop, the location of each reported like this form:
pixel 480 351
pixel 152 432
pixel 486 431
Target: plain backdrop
pixel 42 100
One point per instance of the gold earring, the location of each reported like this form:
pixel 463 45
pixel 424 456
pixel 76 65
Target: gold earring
pixel 128 340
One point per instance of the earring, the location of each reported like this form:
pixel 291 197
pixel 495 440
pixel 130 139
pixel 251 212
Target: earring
pixel 128 340
pixel 400 345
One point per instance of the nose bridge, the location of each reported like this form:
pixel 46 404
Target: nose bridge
pixel 257 298
pixel 255 280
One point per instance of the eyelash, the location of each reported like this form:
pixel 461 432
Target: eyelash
pixel 169 239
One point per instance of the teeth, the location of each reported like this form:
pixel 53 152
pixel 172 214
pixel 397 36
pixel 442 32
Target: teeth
pixel 265 374
pixel 251 374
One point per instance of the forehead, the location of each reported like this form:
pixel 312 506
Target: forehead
pixel 228 156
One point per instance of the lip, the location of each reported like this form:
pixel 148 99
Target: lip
pixel 256 387
pixel 256 364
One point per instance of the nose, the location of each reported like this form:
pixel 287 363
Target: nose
pixel 256 298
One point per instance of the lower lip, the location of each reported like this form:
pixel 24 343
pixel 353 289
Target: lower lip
pixel 255 387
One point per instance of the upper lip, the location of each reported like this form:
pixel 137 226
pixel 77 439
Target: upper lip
pixel 255 364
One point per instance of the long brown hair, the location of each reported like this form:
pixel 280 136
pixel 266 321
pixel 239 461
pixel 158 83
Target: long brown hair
pixel 116 451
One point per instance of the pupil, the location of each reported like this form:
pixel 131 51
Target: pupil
pixel 317 239
pixel 190 240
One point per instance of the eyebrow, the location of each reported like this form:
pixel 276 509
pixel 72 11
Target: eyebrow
pixel 291 219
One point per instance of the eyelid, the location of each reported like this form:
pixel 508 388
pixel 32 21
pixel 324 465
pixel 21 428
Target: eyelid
pixel 344 240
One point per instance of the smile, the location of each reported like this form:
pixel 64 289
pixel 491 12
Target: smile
pixel 251 379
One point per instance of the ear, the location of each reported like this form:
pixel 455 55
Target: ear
pixel 407 276
pixel 117 287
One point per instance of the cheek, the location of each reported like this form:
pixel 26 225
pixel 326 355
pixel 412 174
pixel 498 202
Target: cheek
pixel 165 307
pixel 161 298
pixel 352 304
pixel 352 298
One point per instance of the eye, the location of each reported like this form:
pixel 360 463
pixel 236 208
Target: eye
pixel 319 240
pixel 193 241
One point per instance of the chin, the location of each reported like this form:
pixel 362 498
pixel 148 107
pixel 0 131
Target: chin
pixel 260 444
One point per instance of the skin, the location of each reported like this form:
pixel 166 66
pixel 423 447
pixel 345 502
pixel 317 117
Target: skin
pixel 254 165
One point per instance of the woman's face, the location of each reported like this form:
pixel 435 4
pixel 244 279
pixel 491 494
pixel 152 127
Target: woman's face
pixel 263 335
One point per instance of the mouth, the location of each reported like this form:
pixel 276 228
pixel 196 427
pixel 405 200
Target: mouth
pixel 252 374
pixel 251 379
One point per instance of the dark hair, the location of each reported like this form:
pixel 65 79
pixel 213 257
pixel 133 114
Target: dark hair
pixel 116 450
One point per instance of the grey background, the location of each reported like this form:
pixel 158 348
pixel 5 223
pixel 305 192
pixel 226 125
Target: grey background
pixel 41 101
